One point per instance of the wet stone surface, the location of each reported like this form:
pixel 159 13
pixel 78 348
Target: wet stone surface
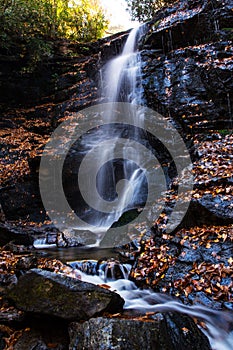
pixel 131 334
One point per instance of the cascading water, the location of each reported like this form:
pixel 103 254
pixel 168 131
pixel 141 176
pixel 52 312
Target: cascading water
pixel 219 324
pixel 119 180
pixel 122 74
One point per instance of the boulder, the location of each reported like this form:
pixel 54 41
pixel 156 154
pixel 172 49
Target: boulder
pixel 165 331
pixel 9 232
pixel 74 238
pixel 50 294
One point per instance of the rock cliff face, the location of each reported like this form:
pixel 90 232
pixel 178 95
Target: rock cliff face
pixel 71 73
pixel 33 104
pixel 187 64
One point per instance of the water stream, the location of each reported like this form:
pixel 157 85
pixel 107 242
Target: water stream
pixel 219 324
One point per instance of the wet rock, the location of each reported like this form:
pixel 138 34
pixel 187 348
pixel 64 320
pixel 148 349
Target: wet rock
pixel 51 237
pixel 87 266
pixel 34 340
pixel 163 332
pixel 17 248
pixel 115 237
pixel 2 215
pixel 26 263
pixel 58 78
pixel 187 334
pixel 65 239
pixel 74 238
pixel 186 72
pixel 128 237
pixel 113 269
pixel 211 210
pixel 10 315
pixel 174 30
pixel 216 253
pixel 7 279
pixel 128 252
pixel 178 271
pixel 202 299
pixel 31 342
pixel 9 233
pixel 46 231
pixel 189 255
pixel 22 201
pixel 106 268
pixel 218 207
pixel 50 294
pixel 225 252
pixel 127 217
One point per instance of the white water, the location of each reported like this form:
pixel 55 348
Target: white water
pixel 116 190
pixel 219 323
pixel 122 75
pixel 41 243
pixel 122 79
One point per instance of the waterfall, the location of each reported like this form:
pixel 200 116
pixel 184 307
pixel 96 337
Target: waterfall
pixel 119 180
pixel 122 75
pixel 122 79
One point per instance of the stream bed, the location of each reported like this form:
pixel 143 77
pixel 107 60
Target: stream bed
pixel 102 267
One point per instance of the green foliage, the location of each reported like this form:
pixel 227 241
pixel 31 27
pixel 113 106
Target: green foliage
pixel 225 132
pixel 33 23
pixel 144 10
pixel 79 19
pixel 228 29
pixel 85 22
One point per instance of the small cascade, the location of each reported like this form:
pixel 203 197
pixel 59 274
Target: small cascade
pixel 219 324
pixel 107 270
pixel 42 243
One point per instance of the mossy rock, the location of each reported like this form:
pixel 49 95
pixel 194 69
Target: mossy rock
pixel 55 295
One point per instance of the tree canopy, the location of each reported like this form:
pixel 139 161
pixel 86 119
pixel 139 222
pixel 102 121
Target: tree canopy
pixel 143 10
pixel 31 20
